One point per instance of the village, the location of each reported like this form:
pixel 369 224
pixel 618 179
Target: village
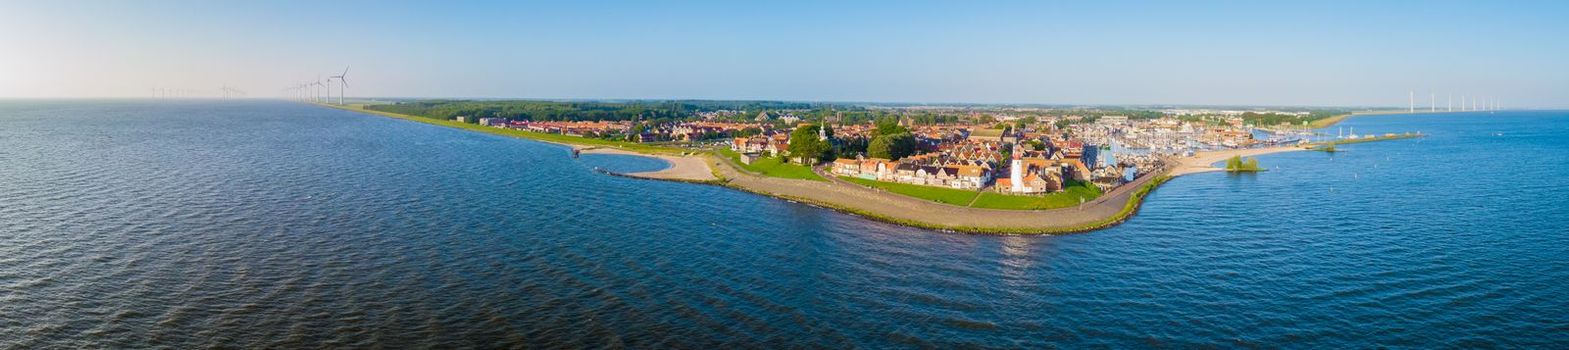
pixel 1012 152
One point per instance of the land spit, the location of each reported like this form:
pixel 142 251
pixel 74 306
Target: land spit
pixel 1107 210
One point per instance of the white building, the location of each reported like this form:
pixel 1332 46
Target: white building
pixel 1016 173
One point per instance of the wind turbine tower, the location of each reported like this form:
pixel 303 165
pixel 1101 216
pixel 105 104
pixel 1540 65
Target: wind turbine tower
pixel 322 88
pixel 1432 102
pixel 342 83
pixel 1413 101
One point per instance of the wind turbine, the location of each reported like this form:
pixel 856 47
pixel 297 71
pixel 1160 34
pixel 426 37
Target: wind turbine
pixel 320 88
pixel 342 83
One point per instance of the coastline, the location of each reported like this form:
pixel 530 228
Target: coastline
pixel 682 166
pixel 1203 162
pixel 1331 121
pixel 1108 210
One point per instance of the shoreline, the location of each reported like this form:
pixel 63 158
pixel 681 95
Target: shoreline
pixel 1110 209
pixel 678 168
pixel 681 167
pixel 1203 162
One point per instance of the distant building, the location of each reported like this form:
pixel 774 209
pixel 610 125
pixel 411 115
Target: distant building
pixel 748 158
pixel 497 122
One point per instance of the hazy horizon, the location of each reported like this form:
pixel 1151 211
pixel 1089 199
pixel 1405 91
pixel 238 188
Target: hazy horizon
pixel 1315 54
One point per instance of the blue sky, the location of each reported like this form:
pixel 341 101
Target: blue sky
pixel 1105 52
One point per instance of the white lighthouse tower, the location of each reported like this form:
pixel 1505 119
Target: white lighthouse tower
pixel 1016 171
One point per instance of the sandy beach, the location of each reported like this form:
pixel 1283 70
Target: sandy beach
pixel 683 168
pixel 1205 161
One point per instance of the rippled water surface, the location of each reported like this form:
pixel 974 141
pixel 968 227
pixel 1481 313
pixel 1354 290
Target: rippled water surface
pixel 128 224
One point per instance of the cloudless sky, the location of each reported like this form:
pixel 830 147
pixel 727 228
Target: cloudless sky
pixel 1363 53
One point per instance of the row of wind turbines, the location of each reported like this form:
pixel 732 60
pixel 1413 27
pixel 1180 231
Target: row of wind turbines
pixel 314 91
pixel 223 91
pixel 1467 104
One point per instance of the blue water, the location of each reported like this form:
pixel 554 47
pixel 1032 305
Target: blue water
pixel 130 224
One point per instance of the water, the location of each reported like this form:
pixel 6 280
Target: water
pixel 127 224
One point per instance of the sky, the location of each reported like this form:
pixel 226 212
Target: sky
pixel 1307 53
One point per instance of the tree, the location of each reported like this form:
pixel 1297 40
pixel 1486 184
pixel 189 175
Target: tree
pixel 850 147
pixel 879 148
pixel 889 125
pixel 748 131
pixel 1063 123
pixel 805 145
pixel 638 128
pixel 892 147
pixel 1237 164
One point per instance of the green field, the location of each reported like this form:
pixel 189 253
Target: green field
pixel 1067 198
pixel 773 167
pixel 931 193
pixel 1327 122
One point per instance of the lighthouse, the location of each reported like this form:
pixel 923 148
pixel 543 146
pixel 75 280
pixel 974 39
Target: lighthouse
pixel 1016 173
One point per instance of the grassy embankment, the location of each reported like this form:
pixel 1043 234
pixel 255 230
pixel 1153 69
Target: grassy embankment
pixel 1069 197
pixel 932 193
pixel 987 200
pixel 1128 209
pixel 1327 122
pixel 772 167
pixel 552 138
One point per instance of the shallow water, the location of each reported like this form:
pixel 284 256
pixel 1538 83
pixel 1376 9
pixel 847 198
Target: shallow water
pixel 271 224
